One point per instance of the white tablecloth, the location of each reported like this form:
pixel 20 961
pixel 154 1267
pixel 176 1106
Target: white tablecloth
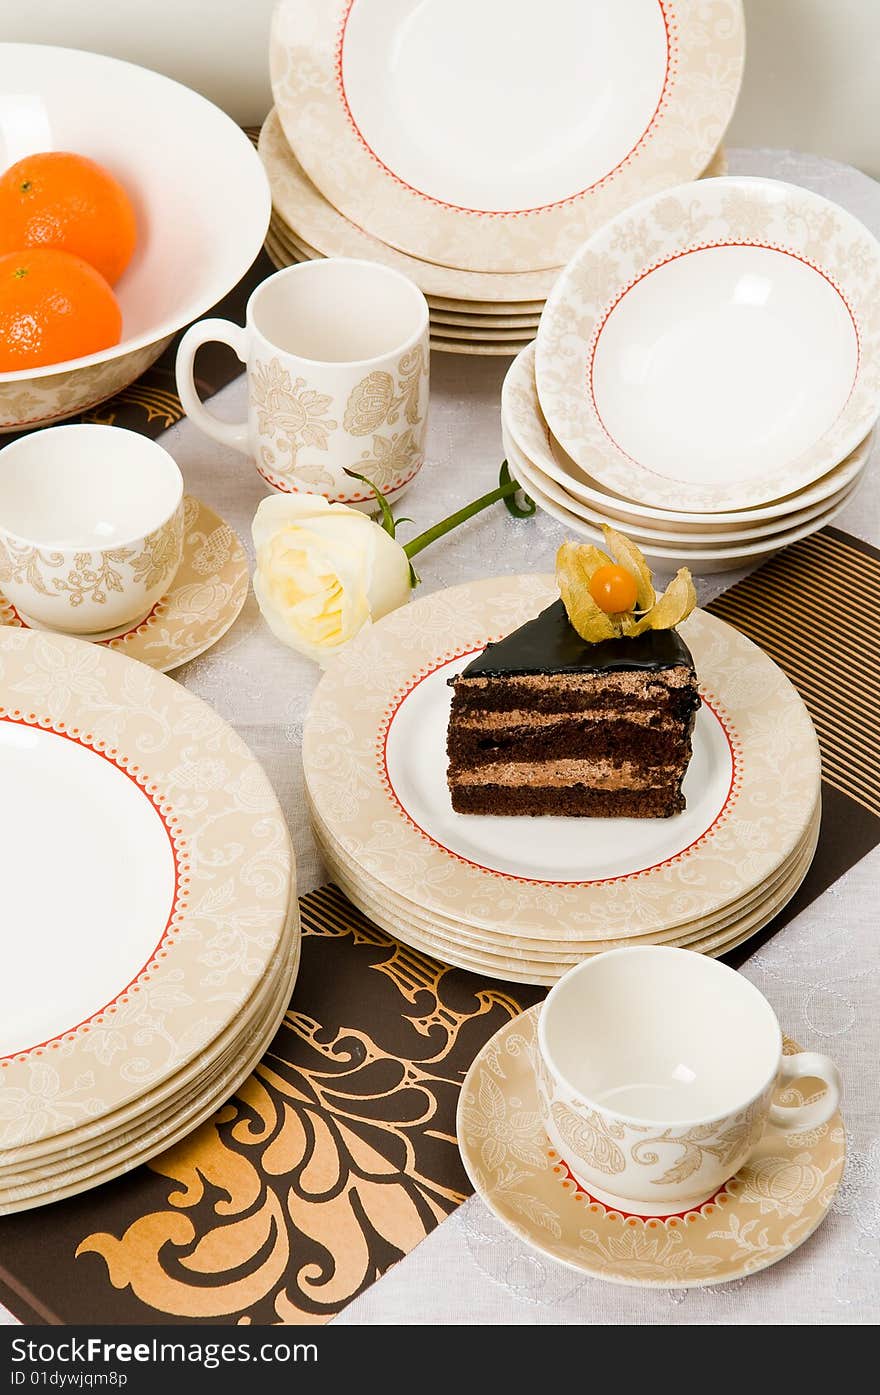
pixel 820 973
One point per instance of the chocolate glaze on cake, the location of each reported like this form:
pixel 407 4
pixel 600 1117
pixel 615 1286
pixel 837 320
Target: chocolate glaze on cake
pixel 544 722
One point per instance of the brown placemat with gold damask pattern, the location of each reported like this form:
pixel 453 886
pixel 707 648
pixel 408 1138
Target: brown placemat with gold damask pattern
pixel 338 1156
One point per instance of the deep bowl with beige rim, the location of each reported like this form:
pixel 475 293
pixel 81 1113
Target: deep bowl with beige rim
pixel 200 196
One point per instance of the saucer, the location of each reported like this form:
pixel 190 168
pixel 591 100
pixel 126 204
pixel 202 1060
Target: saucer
pixel 205 599
pixel 772 1205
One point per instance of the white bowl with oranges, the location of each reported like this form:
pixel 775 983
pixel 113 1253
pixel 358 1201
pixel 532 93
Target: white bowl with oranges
pixel 174 215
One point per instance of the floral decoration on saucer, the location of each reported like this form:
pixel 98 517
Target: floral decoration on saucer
pixel 205 599
pixel 772 1205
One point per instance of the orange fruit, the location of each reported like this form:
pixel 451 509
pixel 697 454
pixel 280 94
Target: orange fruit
pixel 53 307
pixel 55 199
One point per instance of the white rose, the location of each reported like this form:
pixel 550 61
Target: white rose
pixel 323 572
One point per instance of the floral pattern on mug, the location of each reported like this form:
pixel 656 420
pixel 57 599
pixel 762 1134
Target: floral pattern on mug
pixel 298 423
pixel 93 576
pixel 596 1141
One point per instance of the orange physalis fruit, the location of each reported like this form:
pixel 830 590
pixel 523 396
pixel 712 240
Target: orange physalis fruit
pixel 614 589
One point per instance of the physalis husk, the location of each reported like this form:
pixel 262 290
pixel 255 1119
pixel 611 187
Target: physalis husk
pixel 575 565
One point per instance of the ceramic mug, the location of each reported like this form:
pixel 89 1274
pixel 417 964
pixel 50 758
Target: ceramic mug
pixel 656 1070
pixel 91 527
pixel 337 366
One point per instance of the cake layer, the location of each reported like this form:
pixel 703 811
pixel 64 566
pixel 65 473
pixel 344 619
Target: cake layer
pixel 674 691
pixel 569 801
pixel 639 739
pixel 595 774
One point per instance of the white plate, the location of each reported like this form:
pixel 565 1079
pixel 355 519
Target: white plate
pixel 149 1140
pixel 415 756
pixel 525 424
pixel 479 350
pixel 703 560
pixel 488 334
pixel 560 114
pixel 524 969
pixel 472 312
pixel 717 345
pixel 148 872
pixel 520 947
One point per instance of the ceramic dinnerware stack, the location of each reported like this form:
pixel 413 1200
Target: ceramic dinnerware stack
pixel 522 898
pixel 480 190
pixel 150 899
pixel 706 375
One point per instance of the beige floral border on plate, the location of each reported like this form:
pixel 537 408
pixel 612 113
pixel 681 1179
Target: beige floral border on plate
pixel 706 49
pixel 225 815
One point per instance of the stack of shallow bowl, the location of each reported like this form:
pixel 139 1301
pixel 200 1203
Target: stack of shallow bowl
pixel 479 189
pixel 522 898
pixel 152 927
pixel 706 374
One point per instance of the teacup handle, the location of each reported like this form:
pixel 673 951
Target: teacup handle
pixel 228 433
pixel 800 1118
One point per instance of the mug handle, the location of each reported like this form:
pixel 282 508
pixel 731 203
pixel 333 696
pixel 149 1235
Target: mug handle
pixel 802 1117
pixel 228 433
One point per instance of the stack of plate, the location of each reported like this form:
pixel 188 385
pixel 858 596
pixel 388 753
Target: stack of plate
pixel 524 899
pixel 706 374
pixel 561 113
pixel 151 921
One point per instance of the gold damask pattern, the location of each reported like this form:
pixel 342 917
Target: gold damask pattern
pixel 335 1158
pixel 40 401
pixel 160 554
pixel 377 399
pixel 23 564
pixel 590 1138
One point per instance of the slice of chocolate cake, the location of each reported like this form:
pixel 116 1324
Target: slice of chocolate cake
pixel 545 722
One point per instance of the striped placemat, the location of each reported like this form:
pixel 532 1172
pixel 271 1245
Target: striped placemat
pixel 814 609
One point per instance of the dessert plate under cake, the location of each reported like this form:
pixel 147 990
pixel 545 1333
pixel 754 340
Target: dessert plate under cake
pixel 751 789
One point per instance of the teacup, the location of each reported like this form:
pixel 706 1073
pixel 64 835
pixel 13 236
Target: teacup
pixel 656 1071
pixel 91 527
pixel 337 358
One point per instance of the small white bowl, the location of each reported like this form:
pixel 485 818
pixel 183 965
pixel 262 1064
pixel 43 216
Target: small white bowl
pixel 200 194
pixel 91 527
